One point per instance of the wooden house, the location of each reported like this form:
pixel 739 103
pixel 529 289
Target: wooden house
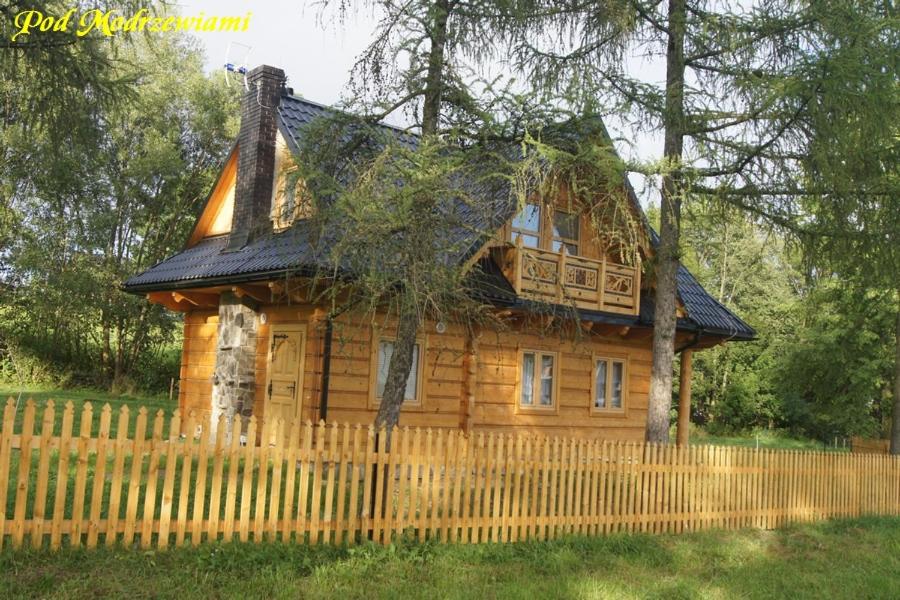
pixel 251 347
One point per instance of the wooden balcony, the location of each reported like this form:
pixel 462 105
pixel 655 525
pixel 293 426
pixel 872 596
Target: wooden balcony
pixel 562 278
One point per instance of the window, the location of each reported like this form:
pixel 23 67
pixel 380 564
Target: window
pixel 538 380
pixel 527 225
pixel 608 384
pixel 565 232
pixel 292 201
pixel 385 352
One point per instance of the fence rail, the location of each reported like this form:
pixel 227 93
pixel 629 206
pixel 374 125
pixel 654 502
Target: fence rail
pixel 141 482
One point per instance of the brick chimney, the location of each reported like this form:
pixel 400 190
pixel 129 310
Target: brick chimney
pixel 256 155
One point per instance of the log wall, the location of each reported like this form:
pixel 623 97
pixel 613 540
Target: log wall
pixel 447 382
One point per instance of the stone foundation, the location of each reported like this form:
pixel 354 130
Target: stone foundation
pixel 234 377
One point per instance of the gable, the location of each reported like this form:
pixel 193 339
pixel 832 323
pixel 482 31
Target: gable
pixel 215 218
pixel 217 214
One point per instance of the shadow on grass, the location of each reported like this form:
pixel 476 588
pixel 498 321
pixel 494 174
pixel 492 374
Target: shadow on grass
pixel 852 558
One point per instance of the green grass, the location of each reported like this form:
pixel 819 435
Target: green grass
pixel 840 559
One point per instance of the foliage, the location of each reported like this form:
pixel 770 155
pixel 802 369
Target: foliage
pixel 851 159
pixel 837 371
pixel 109 206
pixel 854 558
pixel 750 268
pixel 47 78
pixel 397 213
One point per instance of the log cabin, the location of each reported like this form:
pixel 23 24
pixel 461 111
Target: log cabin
pixel 253 347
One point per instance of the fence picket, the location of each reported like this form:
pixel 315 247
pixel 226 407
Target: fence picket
pixel 116 482
pixel 342 470
pixel 99 477
pixel 21 496
pixel 184 488
pixel 6 436
pixel 196 522
pixel 215 492
pixel 81 473
pixel 134 480
pixel 356 477
pixel 170 453
pixel 292 441
pixel 40 500
pixel 248 457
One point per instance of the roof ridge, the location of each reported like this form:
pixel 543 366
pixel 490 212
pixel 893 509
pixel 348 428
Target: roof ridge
pixel 333 108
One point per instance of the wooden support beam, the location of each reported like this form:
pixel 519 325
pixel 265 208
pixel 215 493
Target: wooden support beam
pixel 684 397
pixel 182 298
pixel 166 299
pixel 624 331
pixel 198 299
pixel 251 292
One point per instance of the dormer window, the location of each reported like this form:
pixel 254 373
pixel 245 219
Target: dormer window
pixel 527 225
pixel 565 232
pixel 562 230
pixel 291 201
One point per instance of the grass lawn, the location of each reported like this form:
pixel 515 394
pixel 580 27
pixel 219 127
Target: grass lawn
pixel 841 559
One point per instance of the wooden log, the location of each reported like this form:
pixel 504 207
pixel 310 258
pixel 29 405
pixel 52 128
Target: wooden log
pixel 684 397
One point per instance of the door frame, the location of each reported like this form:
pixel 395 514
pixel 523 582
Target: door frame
pixel 300 328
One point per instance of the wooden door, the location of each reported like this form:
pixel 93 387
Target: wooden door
pixel 284 389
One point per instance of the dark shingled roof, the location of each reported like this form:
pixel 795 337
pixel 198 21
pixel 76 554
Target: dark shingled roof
pixel 206 263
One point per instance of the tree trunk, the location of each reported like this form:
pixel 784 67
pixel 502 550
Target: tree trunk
pixel 398 370
pixel 408 319
pixel 895 419
pixel 434 80
pixel 660 401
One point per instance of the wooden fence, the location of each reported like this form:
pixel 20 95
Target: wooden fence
pixel 868 446
pixel 140 482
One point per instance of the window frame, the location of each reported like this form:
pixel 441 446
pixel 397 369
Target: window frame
pixel 538 233
pixel 302 209
pixel 536 408
pixel 545 232
pixel 563 240
pixel 609 411
pixel 374 399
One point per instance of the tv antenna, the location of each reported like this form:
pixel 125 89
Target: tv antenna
pixel 236 62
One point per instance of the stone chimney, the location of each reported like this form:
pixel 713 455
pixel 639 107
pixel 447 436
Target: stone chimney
pixel 256 155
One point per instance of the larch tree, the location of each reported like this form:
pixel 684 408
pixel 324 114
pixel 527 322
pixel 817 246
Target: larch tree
pixel 851 156
pixel 422 64
pixel 724 117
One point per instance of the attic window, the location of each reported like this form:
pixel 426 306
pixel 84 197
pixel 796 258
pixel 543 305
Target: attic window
pixel 292 200
pixel 527 225
pixel 565 232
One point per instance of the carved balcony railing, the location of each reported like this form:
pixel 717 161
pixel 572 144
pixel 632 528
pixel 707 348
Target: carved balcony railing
pixel 562 278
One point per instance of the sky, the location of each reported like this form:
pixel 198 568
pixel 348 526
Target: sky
pixel 317 56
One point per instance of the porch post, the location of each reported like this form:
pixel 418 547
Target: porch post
pixel 684 397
